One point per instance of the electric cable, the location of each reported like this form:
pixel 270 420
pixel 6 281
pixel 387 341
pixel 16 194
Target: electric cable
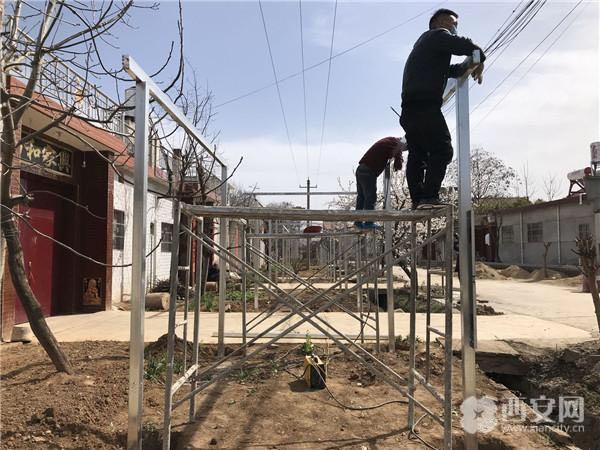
pixel 327 91
pixel 287 130
pixel 304 91
pixel 526 57
pixel 532 66
pixel 337 55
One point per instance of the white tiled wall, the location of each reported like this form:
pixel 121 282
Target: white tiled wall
pixel 157 265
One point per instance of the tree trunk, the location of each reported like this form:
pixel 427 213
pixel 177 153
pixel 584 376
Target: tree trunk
pixel 30 304
pixel 595 297
pixel 14 252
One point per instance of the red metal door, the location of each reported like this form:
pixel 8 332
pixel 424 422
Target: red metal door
pixel 38 254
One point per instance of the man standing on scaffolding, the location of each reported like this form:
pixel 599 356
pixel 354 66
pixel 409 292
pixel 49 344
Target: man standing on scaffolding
pixel 370 167
pixel 426 72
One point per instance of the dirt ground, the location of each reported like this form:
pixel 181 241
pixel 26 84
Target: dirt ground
pixel 260 407
pixel 573 371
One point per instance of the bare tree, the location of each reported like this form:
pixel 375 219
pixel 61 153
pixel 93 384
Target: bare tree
pixel 586 250
pixel 55 71
pixel 239 196
pixel 527 182
pixel 551 186
pixel 490 176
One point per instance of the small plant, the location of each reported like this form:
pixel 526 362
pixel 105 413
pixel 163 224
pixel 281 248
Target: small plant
pixel 155 368
pixel 246 374
pixel 209 301
pixel 308 347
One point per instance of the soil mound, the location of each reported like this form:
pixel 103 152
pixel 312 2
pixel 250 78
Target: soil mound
pixel 538 275
pixel 515 272
pixel 485 272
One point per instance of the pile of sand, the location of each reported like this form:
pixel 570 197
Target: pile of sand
pixel 575 282
pixel 515 272
pixel 538 275
pixel 485 272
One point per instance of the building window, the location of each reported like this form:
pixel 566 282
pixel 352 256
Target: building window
pixel 118 230
pixel 535 232
pixel 508 234
pixel 583 230
pixel 166 234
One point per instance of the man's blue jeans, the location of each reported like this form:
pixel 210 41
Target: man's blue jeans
pixel 366 188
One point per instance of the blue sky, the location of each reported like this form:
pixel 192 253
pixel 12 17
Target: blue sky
pixel 548 119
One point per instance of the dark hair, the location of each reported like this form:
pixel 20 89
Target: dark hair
pixel 441 12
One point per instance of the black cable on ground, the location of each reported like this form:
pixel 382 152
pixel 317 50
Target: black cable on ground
pixel 342 405
pixel 415 434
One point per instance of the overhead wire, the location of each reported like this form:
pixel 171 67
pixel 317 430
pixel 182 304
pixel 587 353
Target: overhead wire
pixel 532 66
pixel 504 37
pixel 526 57
pixel 337 55
pixel 304 92
pixel 287 130
pixel 327 91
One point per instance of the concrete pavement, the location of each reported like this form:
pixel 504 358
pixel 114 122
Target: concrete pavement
pixel 114 326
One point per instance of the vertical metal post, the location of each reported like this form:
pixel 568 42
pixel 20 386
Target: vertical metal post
pixel 359 291
pixel 389 259
pixel 244 287
pixel 270 252
pixel 223 239
pixel 559 254
pixel 186 302
pixel 197 300
pixel 358 275
pixel 138 271
pixel 428 317
pixel 171 325
pixel 346 256
pixel 448 247
pixel 466 249
pixel 256 259
pixel 276 246
pixel 413 317
pixel 376 291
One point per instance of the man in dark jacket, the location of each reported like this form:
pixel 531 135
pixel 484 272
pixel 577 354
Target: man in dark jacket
pixel 370 167
pixel 425 75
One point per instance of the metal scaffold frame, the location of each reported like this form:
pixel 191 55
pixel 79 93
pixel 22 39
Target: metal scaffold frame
pixel 345 281
pixel 365 271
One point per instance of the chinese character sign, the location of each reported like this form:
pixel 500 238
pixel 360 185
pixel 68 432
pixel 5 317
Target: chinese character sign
pixel 44 155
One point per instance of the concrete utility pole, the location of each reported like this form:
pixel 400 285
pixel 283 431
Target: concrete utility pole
pixel 308 193
pixel 308 222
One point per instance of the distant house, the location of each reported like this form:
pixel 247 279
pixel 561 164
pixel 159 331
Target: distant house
pixel 517 235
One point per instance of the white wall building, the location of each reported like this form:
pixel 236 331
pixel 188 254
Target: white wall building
pixel 159 224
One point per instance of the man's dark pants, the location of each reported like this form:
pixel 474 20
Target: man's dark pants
pixel 429 151
pixel 366 188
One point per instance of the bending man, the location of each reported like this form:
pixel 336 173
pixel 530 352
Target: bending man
pixel 426 73
pixel 370 167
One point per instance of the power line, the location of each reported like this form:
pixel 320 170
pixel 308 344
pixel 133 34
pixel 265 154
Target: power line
pixel 287 130
pixel 337 55
pixel 533 65
pixel 304 91
pixel 526 57
pixel 504 37
pixel 327 91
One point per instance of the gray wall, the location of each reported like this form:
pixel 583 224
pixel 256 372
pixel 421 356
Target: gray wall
pixel 571 216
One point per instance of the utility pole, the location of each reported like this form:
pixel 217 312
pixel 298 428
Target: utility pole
pixel 308 223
